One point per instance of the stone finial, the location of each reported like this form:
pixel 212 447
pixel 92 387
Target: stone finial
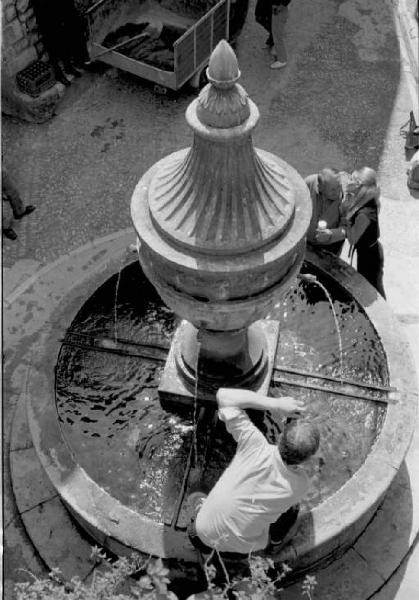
pixel 223 69
pixel 221 197
pixel 223 103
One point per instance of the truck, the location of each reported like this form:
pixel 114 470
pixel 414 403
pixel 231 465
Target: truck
pixel 168 42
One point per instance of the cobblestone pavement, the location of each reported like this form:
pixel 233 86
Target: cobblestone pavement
pixel 341 101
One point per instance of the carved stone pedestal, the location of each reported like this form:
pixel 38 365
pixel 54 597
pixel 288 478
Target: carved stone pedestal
pixel 243 359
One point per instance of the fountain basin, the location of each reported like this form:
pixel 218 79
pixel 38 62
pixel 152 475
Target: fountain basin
pixel 323 532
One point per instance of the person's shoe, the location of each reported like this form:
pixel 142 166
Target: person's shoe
pixel 61 78
pixel 278 64
pixel 71 70
pixel 28 210
pixel 10 233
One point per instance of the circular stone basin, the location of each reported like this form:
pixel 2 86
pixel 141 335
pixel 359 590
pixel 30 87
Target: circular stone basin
pixel 118 459
pixel 112 420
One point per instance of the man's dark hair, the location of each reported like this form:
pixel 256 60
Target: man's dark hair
pixel 299 441
pixel 327 172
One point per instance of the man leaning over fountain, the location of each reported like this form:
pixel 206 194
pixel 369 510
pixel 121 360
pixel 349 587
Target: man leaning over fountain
pixel 254 504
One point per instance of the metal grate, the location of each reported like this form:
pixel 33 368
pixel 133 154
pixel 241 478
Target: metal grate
pixel 36 78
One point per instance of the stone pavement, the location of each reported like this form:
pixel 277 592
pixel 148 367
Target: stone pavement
pixel 407 12
pixel 341 101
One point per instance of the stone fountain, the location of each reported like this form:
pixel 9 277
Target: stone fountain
pixel 221 235
pixel 221 229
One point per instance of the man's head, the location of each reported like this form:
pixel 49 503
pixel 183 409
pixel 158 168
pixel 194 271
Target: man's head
pixel 365 176
pixel 299 440
pixel 362 185
pixel 329 184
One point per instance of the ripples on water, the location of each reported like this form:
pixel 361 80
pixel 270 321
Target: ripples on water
pixel 112 419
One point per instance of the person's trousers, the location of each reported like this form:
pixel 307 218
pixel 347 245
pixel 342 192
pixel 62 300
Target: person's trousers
pixel 10 194
pixel 370 263
pixel 7 215
pixel 279 20
pixel 277 532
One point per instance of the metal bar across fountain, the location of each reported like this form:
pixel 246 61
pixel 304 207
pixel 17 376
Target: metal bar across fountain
pixel 344 387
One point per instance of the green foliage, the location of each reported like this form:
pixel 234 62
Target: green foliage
pixel 308 586
pixel 111 580
pixel 261 584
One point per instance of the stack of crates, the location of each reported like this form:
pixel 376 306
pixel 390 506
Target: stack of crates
pixel 35 78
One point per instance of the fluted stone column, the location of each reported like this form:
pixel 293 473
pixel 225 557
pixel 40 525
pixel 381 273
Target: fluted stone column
pixel 222 228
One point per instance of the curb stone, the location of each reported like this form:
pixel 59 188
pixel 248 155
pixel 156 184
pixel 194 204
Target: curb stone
pixel 409 28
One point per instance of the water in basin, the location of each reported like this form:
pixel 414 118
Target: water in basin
pixel 112 419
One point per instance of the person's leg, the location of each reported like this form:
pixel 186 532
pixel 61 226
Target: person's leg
pixel 270 40
pixel 279 19
pixel 380 271
pixel 263 16
pixel 10 192
pixel 284 527
pixel 194 503
pixel 48 17
pixel 67 50
pixel 7 221
pixel 196 540
pixel 370 264
pixel 80 53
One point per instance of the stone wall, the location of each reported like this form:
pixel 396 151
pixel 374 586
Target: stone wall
pixel 21 46
pixel 21 41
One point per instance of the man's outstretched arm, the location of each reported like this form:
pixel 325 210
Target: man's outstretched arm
pixel 286 405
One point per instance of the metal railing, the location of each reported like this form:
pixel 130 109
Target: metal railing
pixel 192 49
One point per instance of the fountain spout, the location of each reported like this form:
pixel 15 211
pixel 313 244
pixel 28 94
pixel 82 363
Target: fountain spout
pixel 222 230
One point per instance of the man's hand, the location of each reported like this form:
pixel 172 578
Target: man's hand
pixel 289 406
pixel 323 236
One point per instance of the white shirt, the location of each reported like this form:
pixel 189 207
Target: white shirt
pixel 254 490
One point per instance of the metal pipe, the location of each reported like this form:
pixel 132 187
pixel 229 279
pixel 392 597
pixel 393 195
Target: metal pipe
pixel 329 390
pixel 145 353
pixel 188 466
pixel 370 386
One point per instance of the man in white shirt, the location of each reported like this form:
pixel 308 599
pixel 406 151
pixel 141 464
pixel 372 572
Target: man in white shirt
pixel 263 481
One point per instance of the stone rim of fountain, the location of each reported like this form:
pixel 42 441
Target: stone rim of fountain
pixel 321 534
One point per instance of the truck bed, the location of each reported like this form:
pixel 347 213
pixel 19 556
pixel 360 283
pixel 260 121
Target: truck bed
pixel 182 49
